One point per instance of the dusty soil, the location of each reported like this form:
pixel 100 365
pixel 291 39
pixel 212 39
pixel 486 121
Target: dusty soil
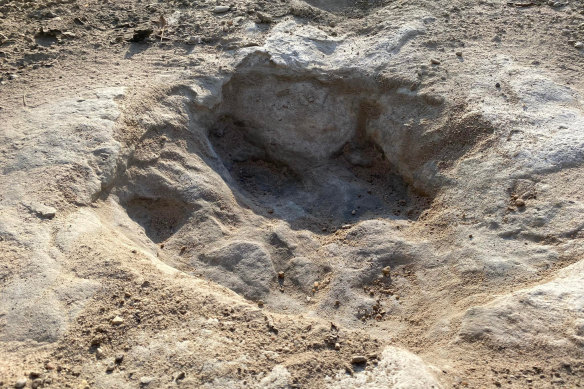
pixel 180 326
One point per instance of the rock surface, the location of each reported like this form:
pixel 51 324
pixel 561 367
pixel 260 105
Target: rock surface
pixel 335 197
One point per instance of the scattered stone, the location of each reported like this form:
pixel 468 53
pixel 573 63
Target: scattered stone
pixel 520 203
pixel 459 53
pixel 68 35
pixel 37 383
pixel 144 381
pixel 272 326
pixel 84 385
pixel 48 33
pixel 119 358
pixel 34 374
pixel 193 40
pixel 386 271
pixel 497 85
pixel 579 45
pixel 260 303
pixel 117 321
pixel 358 359
pixel 21 383
pixel 221 9
pixel 42 211
pixel 353 212
pixel 281 275
pixel 264 18
pixel 110 367
pixel 434 61
pixel 49 366
pixel 96 340
pixel 337 346
pixel 99 354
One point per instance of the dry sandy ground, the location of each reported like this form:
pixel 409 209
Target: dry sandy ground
pixel 292 195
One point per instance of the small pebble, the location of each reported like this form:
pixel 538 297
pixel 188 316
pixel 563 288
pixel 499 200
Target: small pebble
pixel 99 353
pixel 119 358
pixel 337 346
pixel 459 53
pixel 281 274
pixel 221 9
pixel 264 18
pixel 579 45
pixel 353 212
pixel 146 380
pixel 520 203
pixel 434 61
pixel 117 321
pixel 21 383
pixel 110 367
pixel 386 270
pixel 497 85
pixel 84 385
pixel 37 383
pixel 193 40
pixel 68 35
pixel 358 359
